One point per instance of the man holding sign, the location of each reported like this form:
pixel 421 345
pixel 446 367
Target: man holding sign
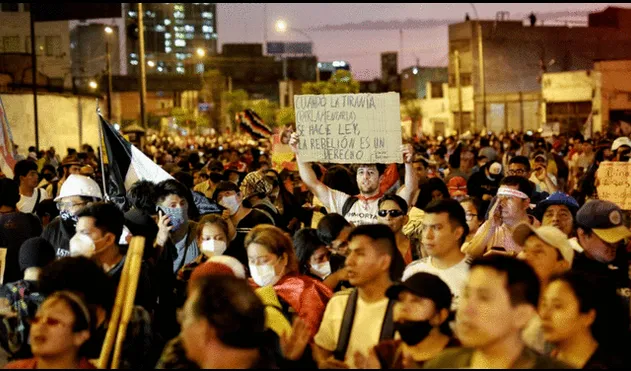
pixel 363 129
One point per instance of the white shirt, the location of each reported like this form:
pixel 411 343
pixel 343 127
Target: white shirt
pixel 27 204
pixel 366 326
pixel 362 212
pixel 454 276
pixel 541 185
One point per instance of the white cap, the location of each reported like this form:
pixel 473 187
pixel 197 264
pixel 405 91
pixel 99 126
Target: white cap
pixel 548 234
pixel 495 168
pixel 79 185
pixel 619 142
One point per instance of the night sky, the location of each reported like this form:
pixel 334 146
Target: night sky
pixel 358 33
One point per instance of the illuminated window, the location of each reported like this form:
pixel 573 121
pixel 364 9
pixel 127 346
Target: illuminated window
pixel 180 56
pixel 167 22
pixel 160 28
pixel 207 36
pixel 207 28
pixel 133 62
pixel 189 28
pixel 132 14
pixel 167 42
pixel 178 7
pixel 167 35
pixel 179 42
pixel 178 29
pixel 180 69
pixel 178 15
pixel 208 15
pixel 167 49
pixel 190 36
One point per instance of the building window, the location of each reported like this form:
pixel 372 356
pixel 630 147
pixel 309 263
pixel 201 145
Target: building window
pixel 26 7
pixel 437 89
pixel 11 44
pixel 53 46
pixel 39 40
pixel 133 62
pixel 160 28
pixel 207 28
pixel 180 70
pixel 178 15
pixel 10 7
pixel 207 15
pixel 167 35
pixel 167 49
pixel 189 28
pixel 180 43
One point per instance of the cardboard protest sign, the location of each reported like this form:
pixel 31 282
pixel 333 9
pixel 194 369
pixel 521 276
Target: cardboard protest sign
pixel 3 263
pixel 614 183
pixel 349 128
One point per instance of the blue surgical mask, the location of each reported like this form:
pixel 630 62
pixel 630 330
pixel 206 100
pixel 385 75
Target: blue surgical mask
pixel 178 216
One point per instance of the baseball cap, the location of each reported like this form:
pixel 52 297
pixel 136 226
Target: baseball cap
pixel 558 198
pixel 457 186
pixel 548 234
pixel 619 142
pixel 605 219
pixel 495 168
pixel 255 183
pixel 424 285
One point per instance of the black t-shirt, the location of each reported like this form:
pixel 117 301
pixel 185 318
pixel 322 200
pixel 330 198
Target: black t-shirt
pixel 15 228
pixel 59 234
pixel 236 248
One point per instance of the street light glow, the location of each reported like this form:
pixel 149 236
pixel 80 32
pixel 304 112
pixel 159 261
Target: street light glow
pixel 93 84
pixel 108 30
pixel 415 71
pixel 201 52
pixel 151 64
pixel 281 25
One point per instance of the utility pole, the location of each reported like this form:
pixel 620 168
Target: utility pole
pixel 482 79
pixel 459 87
pixel 142 77
pixel 109 80
pixel 34 74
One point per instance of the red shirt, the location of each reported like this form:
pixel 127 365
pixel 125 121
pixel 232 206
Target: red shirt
pixel 31 363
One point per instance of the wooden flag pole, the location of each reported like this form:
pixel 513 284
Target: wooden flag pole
pixel 101 144
pixel 135 254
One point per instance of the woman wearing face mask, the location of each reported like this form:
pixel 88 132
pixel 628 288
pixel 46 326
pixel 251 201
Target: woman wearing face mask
pixel 59 331
pixel 421 316
pixel 212 238
pixel 272 262
pixel 584 320
pixel 314 259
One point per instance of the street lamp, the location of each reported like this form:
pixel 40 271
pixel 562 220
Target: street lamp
pixel 281 26
pixel 201 52
pixel 93 85
pixel 151 64
pixel 109 31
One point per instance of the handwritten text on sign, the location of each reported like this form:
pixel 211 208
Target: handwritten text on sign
pixel 349 128
pixel 614 183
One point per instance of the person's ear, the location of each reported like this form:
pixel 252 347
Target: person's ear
pixel 386 262
pixel 562 266
pixel 406 219
pixel 439 318
pixel 79 338
pixel 522 313
pixel 459 232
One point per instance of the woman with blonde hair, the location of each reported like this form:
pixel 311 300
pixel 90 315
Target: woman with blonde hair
pixel 272 262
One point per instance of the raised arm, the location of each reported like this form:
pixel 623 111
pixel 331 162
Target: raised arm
pixel 411 178
pixel 307 174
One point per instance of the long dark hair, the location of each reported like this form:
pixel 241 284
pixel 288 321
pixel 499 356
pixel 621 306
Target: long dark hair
pixel 306 242
pixel 425 197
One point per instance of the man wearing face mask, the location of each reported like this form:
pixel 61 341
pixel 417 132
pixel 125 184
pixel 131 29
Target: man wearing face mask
pixel 228 195
pixel 76 192
pixel 422 317
pixel 99 227
pixel 176 234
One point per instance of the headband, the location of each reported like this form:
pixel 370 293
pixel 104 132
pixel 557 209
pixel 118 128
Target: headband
pixel 70 296
pixel 505 191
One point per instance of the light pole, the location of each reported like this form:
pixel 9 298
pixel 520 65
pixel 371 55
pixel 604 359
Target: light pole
pixel 282 27
pixel 108 32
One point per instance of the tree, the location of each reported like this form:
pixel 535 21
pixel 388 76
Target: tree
pixel 412 108
pixel 285 116
pixel 341 82
pixel 265 109
pixel 234 102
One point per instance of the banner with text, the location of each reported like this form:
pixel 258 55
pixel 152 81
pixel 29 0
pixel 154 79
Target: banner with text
pixel 614 183
pixel 349 128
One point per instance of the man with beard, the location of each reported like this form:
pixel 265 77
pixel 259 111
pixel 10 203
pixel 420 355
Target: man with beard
pixel 362 208
pixel 75 193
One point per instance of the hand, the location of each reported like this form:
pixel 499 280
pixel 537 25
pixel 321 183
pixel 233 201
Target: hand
pixel 293 346
pixel 331 362
pixel 495 215
pixel 163 228
pixel 487 197
pixel 408 153
pixel 540 173
pixel 293 142
pixel 225 215
pixel 342 274
pixel 369 361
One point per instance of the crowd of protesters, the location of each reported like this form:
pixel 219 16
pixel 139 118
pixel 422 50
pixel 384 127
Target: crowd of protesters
pixel 487 250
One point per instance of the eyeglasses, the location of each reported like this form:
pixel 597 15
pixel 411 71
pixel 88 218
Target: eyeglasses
pixel 517 172
pixel 469 217
pixel 49 321
pixel 393 213
pixel 69 205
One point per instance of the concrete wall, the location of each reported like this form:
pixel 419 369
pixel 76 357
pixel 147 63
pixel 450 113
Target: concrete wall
pixel 615 85
pixel 437 119
pixel 64 121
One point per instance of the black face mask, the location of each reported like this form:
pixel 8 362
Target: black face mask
pixel 413 332
pixel 48 176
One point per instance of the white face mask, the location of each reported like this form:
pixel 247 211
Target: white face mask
pixel 82 245
pixel 231 203
pixel 321 270
pixel 264 275
pixel 212 248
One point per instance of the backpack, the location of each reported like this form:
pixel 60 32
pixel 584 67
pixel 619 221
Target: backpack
pixel 387 327
pixel 348 205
